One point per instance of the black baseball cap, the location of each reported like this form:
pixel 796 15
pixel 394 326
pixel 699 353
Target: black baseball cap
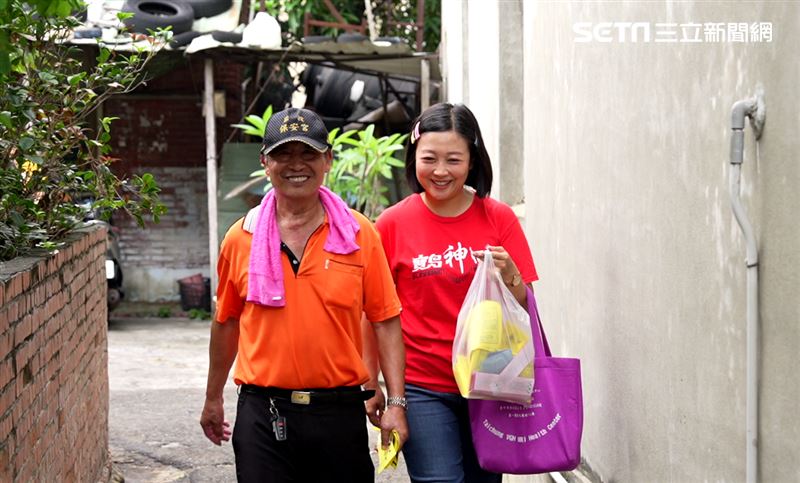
pixel 295 124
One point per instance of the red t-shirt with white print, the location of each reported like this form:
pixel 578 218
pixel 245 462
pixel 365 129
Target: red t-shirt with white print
pixel 432 264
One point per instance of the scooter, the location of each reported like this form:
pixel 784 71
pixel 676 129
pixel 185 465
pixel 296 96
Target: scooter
pixel 115 292
pixel 113 269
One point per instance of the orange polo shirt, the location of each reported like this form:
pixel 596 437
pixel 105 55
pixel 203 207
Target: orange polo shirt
pixel 314 341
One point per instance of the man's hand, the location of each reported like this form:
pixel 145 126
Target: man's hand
pixel 392 355
pixel 221 353
pixel 376 406
pixel 394 418
pixel 213 422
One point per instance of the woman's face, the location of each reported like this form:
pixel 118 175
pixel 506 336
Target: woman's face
pixel 443 163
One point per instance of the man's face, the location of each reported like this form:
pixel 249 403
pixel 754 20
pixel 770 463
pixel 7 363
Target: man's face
pixel 297 170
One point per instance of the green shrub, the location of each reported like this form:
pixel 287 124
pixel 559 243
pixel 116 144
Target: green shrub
pixel 54 148
pixel 199 314
pixel 391 18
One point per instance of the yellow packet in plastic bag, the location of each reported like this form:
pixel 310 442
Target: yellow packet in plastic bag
pixel 485 322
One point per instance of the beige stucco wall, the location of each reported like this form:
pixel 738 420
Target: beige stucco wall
pixel 626 149
pixel 641 260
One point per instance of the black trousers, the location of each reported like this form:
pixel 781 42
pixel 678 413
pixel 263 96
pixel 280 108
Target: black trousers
pixel 326 442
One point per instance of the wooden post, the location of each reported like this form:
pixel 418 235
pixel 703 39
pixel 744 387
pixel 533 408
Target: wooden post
pixel 420 24
pixel 211 174
pixel 424 84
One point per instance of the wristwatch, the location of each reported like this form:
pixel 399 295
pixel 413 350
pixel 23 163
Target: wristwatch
pixel 397 401
pixel 515 280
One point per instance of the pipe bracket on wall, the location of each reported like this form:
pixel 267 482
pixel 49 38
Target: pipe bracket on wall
pixel 754 108
pixel 759 116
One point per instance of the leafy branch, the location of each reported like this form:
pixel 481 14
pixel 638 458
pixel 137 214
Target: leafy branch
pixel 54 149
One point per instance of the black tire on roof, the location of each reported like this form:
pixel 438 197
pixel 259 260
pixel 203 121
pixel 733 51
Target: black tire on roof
pixel 222 36
pixel 155 14
pixel 352 37
pixel 209 8
pixel 184 39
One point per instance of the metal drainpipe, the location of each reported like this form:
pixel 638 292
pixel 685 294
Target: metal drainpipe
pixel 755 110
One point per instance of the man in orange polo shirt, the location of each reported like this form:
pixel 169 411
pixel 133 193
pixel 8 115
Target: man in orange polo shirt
pixel 295 276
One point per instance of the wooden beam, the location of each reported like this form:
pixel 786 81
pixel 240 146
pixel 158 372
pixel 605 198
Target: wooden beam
pixel 334 12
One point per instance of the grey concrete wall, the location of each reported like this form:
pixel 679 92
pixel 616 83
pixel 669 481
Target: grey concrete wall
pixel 454 49
pixel 511 86
pixel 641 261
pixel 481 64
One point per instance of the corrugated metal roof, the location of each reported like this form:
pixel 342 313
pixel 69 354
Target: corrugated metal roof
pixel 393 59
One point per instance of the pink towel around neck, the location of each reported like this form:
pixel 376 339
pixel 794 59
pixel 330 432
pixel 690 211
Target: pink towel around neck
pixel 265 279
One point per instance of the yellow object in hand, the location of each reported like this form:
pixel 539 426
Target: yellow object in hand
pixel 387 457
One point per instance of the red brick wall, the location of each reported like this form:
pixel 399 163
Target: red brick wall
pixel 161 130
pixel 54 364
pixel 181 239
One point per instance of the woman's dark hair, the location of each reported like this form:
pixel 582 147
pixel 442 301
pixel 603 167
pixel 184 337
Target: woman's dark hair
pixel 458 118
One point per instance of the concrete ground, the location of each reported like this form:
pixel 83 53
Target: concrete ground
pixel 157 376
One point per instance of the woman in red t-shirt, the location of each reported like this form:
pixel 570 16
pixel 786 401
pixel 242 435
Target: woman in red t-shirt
pixel 433 240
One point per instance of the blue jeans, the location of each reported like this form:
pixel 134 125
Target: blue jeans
pixel 439 448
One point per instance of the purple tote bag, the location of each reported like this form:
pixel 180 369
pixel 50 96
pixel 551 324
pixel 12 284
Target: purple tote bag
pixel 543 436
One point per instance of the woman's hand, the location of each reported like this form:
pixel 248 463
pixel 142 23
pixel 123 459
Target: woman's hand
pixel 508 271
pixel 502 260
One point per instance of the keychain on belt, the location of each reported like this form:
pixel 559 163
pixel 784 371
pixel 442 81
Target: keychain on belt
pixel 278 422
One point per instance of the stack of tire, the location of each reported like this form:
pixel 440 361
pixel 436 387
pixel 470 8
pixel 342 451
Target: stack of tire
pixel 329 91
pixel 178 14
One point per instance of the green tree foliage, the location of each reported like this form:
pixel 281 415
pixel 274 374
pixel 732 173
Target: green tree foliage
pixel 387 14
pixel 361 165
pixel 54 147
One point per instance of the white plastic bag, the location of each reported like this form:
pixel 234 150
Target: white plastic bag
pixel 493 348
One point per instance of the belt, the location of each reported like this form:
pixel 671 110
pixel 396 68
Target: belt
pixel 343 394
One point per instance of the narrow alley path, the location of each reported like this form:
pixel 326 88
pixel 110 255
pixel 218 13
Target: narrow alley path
pixel 157 377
